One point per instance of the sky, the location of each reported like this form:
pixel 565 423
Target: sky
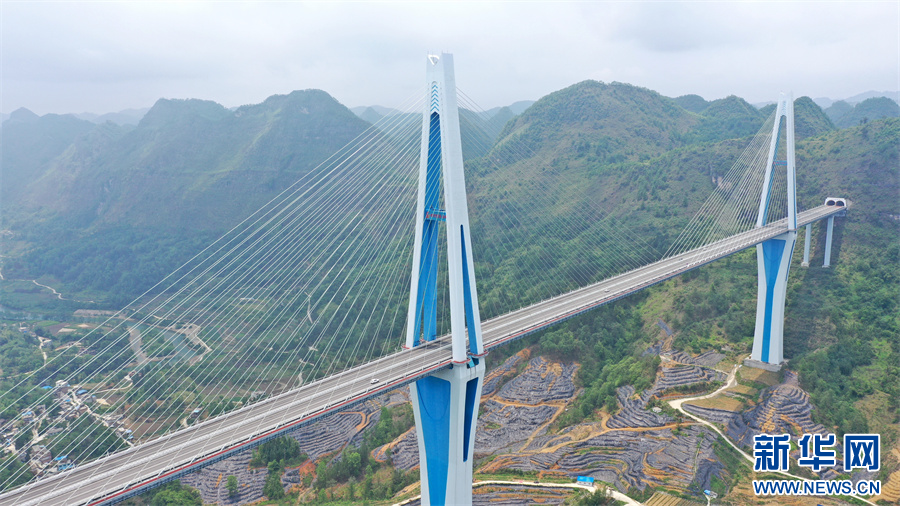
pixel 99 57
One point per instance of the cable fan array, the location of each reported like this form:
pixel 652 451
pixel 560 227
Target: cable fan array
pixel 733 207
pixel 309 285
pixel 526 254
pixel 316 281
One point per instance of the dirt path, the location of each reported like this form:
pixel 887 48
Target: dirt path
pixel 615 494
pixel 58 295
pixel 43 341
pixel 191 332
pixel 52 290
pixel 134 340
pixel 129 385
pixel 363 423
pixel 529 439
pixel 732 380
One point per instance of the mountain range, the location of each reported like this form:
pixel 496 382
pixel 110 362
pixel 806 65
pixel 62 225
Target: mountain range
pixel 375 112
pixel 196 165
pixel 105 210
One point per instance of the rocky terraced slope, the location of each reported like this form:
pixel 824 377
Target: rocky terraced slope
pixel 636 447
pixel 322 438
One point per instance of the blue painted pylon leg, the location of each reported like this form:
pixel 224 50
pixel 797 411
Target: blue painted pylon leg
pixel 446 410
pixel 774 260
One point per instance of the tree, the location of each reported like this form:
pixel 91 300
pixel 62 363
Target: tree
pixel 321 475
pixel 600 497
pixel 353 463
pixel 232 485
pixel 273 488
pixel 85 440
pixel 174 494
pixel 367 487
pixel 23 440
pixel 12 473
pixel 283 448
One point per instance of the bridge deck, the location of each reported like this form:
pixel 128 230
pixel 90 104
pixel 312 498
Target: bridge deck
pixel 128 472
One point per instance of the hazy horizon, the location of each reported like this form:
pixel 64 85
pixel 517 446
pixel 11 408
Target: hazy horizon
pixel 77 57
pixel 143 110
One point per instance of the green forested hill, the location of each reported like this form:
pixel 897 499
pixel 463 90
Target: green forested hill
pixel 837 109
pixel 591 172
pixel 843 325
pixel 693 103
pixel 618 121
pixel 112 210
pixel 842 329
pixel 844 115
pixel 843 332
pixel 116 209
pixel 29 143
pixel 728 118
pixel 188 164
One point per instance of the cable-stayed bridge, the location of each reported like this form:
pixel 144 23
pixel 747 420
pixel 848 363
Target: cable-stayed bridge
pixel 428 354
pixel 168 457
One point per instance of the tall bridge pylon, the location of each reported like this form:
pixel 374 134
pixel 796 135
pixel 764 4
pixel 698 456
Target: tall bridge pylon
pixel 774 256
pixel 446 403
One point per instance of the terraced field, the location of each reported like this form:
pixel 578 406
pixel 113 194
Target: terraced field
pixel 632 449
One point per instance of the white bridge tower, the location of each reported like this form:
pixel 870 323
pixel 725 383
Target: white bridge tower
pixel 446 403
pixel 774 256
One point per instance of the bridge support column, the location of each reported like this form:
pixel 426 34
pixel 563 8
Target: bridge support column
pixel 774 260
pixel 805 262
pixel 446 409
pixel 828 233
pixel 446 403
pixel 774 256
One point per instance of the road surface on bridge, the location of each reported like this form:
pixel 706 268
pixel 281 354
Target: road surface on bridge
pixel 125 473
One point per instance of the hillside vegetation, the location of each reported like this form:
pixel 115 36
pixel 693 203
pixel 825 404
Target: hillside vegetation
pixel 844 115
pixel 843 324
pixel 117 208
pixel 109 210
pixel 188 164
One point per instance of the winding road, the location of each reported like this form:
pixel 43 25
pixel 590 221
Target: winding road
pixel 732 380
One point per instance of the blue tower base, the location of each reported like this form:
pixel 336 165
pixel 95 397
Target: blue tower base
pixel 446 409
pixel 774 261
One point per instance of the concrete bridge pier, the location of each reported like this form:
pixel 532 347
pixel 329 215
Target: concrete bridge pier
pixel 828 234
pixel 805 262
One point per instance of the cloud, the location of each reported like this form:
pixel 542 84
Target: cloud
pixel 684 27
pixel 105 56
